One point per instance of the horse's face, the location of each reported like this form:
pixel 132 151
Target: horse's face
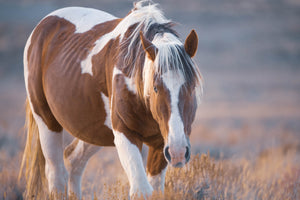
pixel 173 105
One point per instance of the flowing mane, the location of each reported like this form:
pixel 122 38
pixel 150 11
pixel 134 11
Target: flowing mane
pixel 170 56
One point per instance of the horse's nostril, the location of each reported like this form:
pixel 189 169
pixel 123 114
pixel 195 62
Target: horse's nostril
pixel 167 154
pixel 187 154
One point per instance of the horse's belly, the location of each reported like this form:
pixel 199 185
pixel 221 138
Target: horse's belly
pixel 91 129
pixel 99 135
pixel 86 122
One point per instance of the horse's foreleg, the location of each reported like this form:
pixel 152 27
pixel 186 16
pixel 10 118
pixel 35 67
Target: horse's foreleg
pixel 156 168
pixel 76 156
pixel 52 147
pixel 131 160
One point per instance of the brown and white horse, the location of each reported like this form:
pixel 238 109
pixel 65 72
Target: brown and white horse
pixel 109 82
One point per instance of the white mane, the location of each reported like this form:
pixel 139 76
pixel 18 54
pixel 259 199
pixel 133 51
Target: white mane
pixel 142 15
pixel 171 56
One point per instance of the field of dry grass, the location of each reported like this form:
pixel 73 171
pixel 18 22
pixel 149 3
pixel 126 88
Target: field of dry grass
pixel 273 174
pixel 246 137
pixel 268 177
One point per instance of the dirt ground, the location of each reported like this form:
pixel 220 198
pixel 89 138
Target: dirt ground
pixel 249 56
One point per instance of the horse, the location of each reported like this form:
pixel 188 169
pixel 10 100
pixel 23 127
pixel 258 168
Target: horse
pixel 108 81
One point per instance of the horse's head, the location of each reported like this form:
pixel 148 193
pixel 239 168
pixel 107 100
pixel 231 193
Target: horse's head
pixel 171 81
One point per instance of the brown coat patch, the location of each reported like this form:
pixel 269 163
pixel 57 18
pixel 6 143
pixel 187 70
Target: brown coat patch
pixel 73 99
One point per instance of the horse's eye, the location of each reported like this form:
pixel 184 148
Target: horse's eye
pixel 155 89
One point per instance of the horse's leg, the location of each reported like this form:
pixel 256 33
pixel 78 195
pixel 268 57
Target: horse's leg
pixel 52 147
pixel 76 156
pixel 156 168
pixel 131 160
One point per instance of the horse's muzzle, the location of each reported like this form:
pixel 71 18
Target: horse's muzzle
pixel 177 157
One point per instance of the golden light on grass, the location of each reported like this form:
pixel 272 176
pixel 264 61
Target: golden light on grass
pixel 273 174
pixel 268 177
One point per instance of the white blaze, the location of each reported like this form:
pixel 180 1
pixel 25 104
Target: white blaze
pixel 174 81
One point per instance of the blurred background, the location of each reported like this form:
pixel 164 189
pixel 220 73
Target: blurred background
pixel 249 56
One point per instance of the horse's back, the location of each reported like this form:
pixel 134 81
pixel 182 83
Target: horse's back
pixel 83 18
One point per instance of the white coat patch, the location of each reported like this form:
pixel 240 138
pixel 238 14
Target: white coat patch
pixel 116 71
pixel 107 110
pixel 128 81
pixel 83 18
pixel 25 63
pixel 130 84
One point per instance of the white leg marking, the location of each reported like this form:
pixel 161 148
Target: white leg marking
pixel 51 143
pixel 132 163
pixel 52 147
pixel 76 163
pixel 158 181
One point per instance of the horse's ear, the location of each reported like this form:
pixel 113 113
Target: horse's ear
pixel 150 48
pixel 191 43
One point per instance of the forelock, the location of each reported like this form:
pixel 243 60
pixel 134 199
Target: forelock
pixel 171 55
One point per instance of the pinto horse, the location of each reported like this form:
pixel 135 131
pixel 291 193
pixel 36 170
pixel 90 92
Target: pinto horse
pixel 108 81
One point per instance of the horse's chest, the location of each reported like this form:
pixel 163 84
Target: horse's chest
pixel 129 107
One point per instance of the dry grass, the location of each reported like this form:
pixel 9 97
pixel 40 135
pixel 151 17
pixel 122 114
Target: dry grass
pixel 254 162
pixel 274 174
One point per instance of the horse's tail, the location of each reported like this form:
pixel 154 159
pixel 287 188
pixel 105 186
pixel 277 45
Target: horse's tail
pixel 33 160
